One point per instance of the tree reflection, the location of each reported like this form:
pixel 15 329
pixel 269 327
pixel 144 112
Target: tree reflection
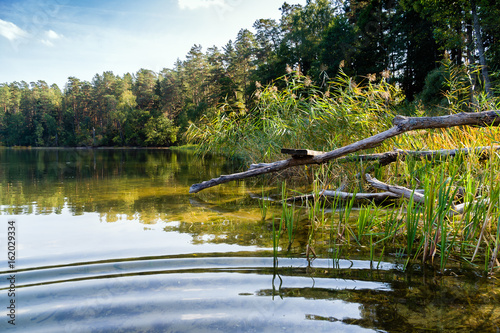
pixel 411 302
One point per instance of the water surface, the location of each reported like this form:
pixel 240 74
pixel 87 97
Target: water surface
pixel 111 241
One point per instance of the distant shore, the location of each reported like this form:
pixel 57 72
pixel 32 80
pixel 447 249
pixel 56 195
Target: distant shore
pixel 95 148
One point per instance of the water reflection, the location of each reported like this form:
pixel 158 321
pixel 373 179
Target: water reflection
pixel 213 291
pixel 177 294
pixel 138 184
pixel 112 241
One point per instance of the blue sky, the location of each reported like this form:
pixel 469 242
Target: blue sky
pixel 53 39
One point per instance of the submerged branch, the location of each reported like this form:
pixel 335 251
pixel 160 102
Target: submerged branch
pixel 401 125
pixel 347 196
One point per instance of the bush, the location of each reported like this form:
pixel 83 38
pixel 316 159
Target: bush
pixel 160 131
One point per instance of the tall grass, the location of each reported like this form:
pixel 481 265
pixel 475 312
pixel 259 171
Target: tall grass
pixel 287 216
pixel 300 115
pixel 297 116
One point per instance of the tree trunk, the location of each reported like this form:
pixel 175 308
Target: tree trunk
pixel 480 49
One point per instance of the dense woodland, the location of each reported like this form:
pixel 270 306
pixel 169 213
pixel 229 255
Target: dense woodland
pixel 368 39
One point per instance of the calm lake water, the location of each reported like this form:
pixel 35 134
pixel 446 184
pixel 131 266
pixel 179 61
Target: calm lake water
pixel 111 241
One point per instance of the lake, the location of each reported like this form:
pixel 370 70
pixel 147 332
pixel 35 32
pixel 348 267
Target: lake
pixel 111 241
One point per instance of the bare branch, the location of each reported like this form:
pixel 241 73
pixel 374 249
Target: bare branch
pixel 401 125
pixel 400 190
pixel 347 196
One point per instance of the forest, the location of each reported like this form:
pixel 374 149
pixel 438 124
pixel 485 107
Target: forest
pixel 415 51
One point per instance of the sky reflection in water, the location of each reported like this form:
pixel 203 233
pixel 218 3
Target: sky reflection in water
pixel 112 241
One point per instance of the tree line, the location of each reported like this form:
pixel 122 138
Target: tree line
pixel 367 38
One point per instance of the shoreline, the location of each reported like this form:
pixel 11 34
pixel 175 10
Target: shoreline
pixel 85 148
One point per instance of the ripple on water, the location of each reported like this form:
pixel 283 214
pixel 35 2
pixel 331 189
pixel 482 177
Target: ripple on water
pixel 188 295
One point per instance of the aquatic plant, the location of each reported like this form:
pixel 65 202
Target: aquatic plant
pixel 431 229
pixel 299 115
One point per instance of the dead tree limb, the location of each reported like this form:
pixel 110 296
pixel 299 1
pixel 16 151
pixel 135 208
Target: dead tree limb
pixel 347 196
pixel 418 195
pixel 399 190
pixel 398 154
pixel 401 125
pixel 393 156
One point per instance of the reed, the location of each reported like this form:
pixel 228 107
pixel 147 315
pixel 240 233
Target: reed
pixel 276 234
pixel 263 205
pixel 287 216
pixel 427 231
pixel 412 221
pixel 300 115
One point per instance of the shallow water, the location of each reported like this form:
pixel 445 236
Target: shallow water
pixel 111 241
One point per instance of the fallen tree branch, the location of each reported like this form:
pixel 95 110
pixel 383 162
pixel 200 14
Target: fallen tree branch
pixel 393 156
pixel 347 196
pixel 399 154
pixel 399 190
pixel 418 195
pixel 401 125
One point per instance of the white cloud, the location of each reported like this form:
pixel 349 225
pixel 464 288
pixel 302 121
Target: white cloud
pixel 197 4
pixel 47 42
pixel 51 34
pixel 11 31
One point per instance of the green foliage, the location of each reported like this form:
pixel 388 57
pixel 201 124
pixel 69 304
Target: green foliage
pixel 453 88
pixel 160 132
pixel 348 40
pixel 432 93
pixel 297 116
pixel 14 129
pixel 338 45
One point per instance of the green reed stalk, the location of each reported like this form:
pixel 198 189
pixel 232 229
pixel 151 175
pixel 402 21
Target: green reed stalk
pixel 363 222
pixel 412 219
pixel 344 217
pixel 275 241
pixel 336 252
pixel 380 257
pixel 287 216
pixel 389 223
pixel 335 204
pixel 372 249
pixel 429 218
pixel 264 206
pixel 487 257
pixel 497 246
pixel 495 198
pixel 348 209
pixel 334 235
pixel 445 201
